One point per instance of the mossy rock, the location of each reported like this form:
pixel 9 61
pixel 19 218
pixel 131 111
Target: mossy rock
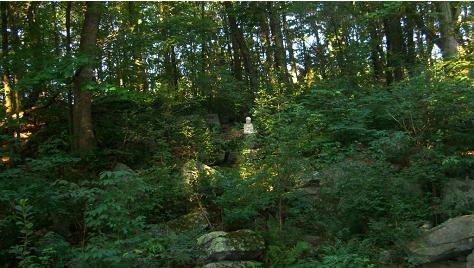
pixel 451 239
pixel 191 221
pixel 233 246
pixel 192 171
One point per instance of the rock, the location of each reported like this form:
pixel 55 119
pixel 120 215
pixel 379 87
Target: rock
pixel 122 167
pixel 233 264
pixel 233 246
pixel 458 194
pixel 453 238
pixel 191 221
pixel 312 179
pixel 470 260
pixel 311 191
pixel 193 170
pixel 445 264
pixel 387 256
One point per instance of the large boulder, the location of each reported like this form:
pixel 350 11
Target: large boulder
pixel 121 167
pixel 193 171
pixel 445 264
pixel 233 264
pixel 192 221
pixel 233 246
pixel 458 194
pixel 470 260
pixel 453 238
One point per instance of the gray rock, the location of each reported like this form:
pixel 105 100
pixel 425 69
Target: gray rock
pixel 194 170
pixel 122 167
pixel 233 264
pixel 191 221
pixel 453 238
pixel 470 260
pixel 312 191
pixel 445 264
pixel 387 256
pixel 312 179
pixel 458 194
pixel 233 246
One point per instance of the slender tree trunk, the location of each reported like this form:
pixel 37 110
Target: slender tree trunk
pixel 69 87
pixel 5 72
pixel 266 41
pixel 206 91
pixel 289 45
pixel 236 54
pixel 174 68
pixel 57 48
pixel 170 63
pixel 18 66
pixel 410 54
pixel 138 64
pixel 306 59
pixel 375 50
pixel 242 47
pixel 83 128
pixel 8 98
pixel 35 37
pixel 394 35
pixel 277 38
pixel 447 20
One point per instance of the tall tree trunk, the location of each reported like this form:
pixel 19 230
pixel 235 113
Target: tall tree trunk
pixel 17 65
pixel 5 72
pixel 410 53
pixel 8 98
pixel 170 63
pixel 138 64
pixel 447 21
pixel 35 37
pixel 236 59
pixel 375 50
pixel 394 35
pixel 289 45
pixel 174 68
pixel 83 128
pixel 306 59
pixel 266 41
pixel 277 38
pixel 236 54
pixel 69 88
pixel 242 47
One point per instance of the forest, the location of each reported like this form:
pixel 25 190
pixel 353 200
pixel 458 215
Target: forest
pixel 237 134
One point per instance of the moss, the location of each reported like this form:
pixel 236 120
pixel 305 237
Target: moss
pixel 234 245
pixel 204 239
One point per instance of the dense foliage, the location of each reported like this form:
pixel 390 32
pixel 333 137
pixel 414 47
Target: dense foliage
pixel 364 115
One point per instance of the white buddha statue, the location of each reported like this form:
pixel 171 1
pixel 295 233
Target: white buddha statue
pixel 248 126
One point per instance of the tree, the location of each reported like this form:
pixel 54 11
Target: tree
pixel 135 26
pixel 277 39
pixel 447 21
pixel 84 140
pixel 240 47
pixel 5 74
pixel 394 36
pixel 445 36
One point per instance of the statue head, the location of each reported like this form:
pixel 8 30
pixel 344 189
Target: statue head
pixel 248 120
